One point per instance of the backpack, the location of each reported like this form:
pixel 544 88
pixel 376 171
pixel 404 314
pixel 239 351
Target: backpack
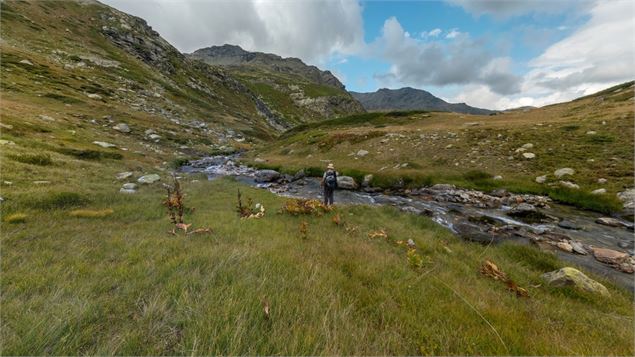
pixel 330 180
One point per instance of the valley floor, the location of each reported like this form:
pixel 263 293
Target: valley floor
pixel 121 284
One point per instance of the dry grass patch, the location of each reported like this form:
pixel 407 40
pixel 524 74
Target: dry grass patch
pixel 88 213
pixel 16 218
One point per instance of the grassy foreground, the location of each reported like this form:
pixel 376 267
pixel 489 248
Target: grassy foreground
pixel 120 284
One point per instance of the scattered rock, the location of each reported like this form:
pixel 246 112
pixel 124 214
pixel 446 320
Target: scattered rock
pixel 578 248
pixel 610 221
pixel 569 184
pixel 609 256
pixel 122 127
pixel 541 179
pixel 124 175
pixel 498 177
pixel 473 233
pixel 299 175
pixel 564 171
pixel 93 96
pixel 568 225
pixel 346 183
pixel 528 146
pixel 148 179
pixel 362 153
pixel 104 144
pixel 527 213
pixel 46 117
pixel 602 181
pixel 267 175
pixel 154 137
pixel 572 277
pixel 565 247
pixel 259 160
pixel 529 155
pixel 599 191
pixel 628 198
pixel 26 62
pixel 6 142
pixel 591 132
pixel 442 187
pixel 129 186
pixel 367 180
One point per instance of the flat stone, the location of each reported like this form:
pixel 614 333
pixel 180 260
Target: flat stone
pixel 104 144
pixel 528 146
pixel 497 177
pixel 148 179
pixel 529 155
pixel 564 171
pixel 122 127
pixel 578 248
pixel 572 277
pixel 569 184
pixel 124 175
pixel 362 153
pixel 565 247
pixel 93 96
pixel 541 179
pixel 259 160
pixel 568 225
pixel 609 221
pixel 599 191
pixel 602 181
pixel 127 191
pixel 609 256
pixel 26 62
pixel 129 186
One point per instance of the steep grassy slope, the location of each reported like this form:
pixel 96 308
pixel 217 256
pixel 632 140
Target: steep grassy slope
pixel 83 55
pixel 122 285
pixel 592 135
pixel 298 92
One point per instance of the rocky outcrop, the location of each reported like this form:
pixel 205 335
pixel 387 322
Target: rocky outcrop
pixel 231 55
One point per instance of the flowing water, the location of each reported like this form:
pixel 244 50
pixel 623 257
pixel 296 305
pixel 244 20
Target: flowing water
pixel 473 214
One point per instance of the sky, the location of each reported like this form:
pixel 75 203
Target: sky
pixel 495 54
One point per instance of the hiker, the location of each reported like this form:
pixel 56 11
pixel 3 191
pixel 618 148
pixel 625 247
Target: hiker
pixel 329 182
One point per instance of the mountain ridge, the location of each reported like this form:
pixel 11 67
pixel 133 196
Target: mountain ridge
pixel 408 98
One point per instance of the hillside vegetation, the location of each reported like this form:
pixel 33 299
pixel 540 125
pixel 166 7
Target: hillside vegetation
pixel 592 135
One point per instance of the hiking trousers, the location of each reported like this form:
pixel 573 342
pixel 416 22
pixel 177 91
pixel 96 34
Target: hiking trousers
pixel 328 196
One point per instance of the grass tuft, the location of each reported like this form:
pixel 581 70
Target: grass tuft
pixel 87 213
pixel 16 218
pixel 60 200
pixel 33 159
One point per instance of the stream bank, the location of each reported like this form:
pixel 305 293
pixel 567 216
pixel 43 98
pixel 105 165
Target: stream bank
pixel 603 245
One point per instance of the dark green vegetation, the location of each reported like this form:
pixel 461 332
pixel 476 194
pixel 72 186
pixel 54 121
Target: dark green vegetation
pixel 594 136
pixel 131 288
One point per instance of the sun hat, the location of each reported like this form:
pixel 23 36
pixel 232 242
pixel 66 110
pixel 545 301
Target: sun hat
pixel 330 166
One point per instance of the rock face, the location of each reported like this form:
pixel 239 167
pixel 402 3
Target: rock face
pixel 267 175
pixel 412 99
pixel 572 277
pixel 148 179
pixel 346 183
pixel 230 55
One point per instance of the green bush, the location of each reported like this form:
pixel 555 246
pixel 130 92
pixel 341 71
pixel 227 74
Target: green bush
pixel 90 154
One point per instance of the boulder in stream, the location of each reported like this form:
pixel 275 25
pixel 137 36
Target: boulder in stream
pixel 267 175
pixel 346 183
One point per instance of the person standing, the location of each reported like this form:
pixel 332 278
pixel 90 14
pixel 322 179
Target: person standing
pixel 329 183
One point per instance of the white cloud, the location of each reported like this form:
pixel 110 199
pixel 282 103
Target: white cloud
pixel 310 30
pixel 420 63
pixel 454 33
pixel 432 33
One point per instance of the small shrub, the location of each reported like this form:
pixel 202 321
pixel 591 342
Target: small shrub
pixel 179 162
pixel 298 206
pixel 600 138
pixel 90 154
pixel 87 213
pixel 16 218
pixel 61 200
pixel 33 159
pixel 476 175
pixel 174 202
